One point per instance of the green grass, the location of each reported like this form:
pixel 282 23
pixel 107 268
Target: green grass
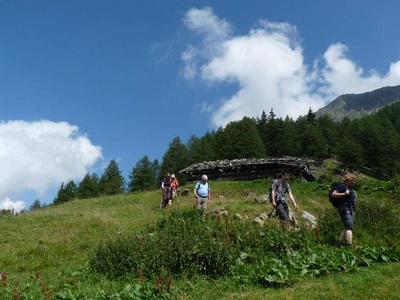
pixel 59 240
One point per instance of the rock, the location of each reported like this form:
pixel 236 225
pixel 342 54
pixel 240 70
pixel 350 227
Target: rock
pixel 309 219
pixel 217 211
pixel 262 199
pixel 237 217
pixel 263 216
pixel 258 221
pixel 185 192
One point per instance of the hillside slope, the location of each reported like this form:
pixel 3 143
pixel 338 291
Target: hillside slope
pixel 53 245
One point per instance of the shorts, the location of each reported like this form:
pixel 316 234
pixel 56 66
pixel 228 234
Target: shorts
pixel 282 210
pixel 346 214
pixel 201 203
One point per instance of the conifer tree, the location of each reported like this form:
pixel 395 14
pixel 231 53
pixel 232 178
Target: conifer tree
pixel 176 158
pixel 143 176
pixel 201 149
pixel 35 205
pixel 87 188
pixel 243 140
pixel 66 193
pixel 112 182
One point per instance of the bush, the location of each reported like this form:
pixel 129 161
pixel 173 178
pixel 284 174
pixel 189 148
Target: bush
pixel 187 244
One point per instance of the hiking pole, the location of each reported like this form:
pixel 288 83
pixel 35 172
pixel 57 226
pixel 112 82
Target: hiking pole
pixel 270 214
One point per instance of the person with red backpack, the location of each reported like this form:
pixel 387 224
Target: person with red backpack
pixel 346 208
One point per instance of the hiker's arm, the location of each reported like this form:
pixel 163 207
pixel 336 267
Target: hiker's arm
pixel 273 198
pixel 336 194
pixel 195 193
pixel 294 202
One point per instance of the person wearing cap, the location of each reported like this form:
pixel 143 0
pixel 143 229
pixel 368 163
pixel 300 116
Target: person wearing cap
pixel 174 186
pixel 202 193
pixel 166 190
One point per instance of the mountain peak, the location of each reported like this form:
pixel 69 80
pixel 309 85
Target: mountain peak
pixel 355 106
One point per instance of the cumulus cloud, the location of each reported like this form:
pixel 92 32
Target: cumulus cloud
pixel 268 66
pixel 7 204
pixel 36 156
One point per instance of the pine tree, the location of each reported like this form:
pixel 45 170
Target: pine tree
pixel 311 117
pixel 201 149
pixel 262 128
pixel 66 193
pixel 112 182
pixel 313 143
pixel 243 140
pixel 176 158
pixel 35 205
pixel 87 188
pixel 143 176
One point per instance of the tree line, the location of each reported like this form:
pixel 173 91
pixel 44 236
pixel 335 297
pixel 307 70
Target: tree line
pixel 370 144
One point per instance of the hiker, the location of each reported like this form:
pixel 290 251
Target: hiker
pixel 174 186
pixel 280 187
pixel 346 208
pixel 202 193
pixel 166 190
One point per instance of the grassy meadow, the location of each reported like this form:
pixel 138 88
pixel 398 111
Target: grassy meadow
pixel 47 253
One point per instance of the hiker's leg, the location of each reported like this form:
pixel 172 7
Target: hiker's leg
pixel 349 237
pixel 204 203
pixel 342 235
pixel 165 198
pixel 198 203
pixel 281 212
pixel 347 216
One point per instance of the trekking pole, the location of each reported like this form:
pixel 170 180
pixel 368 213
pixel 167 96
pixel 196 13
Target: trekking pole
pixel 270 214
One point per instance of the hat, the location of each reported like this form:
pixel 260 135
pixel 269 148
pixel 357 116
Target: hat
pixel 173 176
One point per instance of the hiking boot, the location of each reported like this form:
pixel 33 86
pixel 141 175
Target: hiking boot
pixel 338 244
pixel 350 246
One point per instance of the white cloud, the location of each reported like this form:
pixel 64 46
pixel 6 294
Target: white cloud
pixel 268 66
pixel 36 156
pixel 7 204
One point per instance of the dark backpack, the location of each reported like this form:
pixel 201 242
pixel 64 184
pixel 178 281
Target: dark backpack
pixel 334 201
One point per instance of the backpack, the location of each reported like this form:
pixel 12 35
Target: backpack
pixel 270 189
pixel 334 201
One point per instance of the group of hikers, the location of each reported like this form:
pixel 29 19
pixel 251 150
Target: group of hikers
pixel 343 191
pixel 169 186
pixel 279 196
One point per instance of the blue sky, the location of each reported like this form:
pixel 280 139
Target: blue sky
pixel 84 82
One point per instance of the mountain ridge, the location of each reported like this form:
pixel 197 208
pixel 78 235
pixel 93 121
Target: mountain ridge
pixel 355 106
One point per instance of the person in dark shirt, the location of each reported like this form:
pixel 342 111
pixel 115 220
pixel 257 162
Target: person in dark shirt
pixel 346 208
pixel 166 190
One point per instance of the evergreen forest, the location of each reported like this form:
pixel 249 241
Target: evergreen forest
pixel 370 144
